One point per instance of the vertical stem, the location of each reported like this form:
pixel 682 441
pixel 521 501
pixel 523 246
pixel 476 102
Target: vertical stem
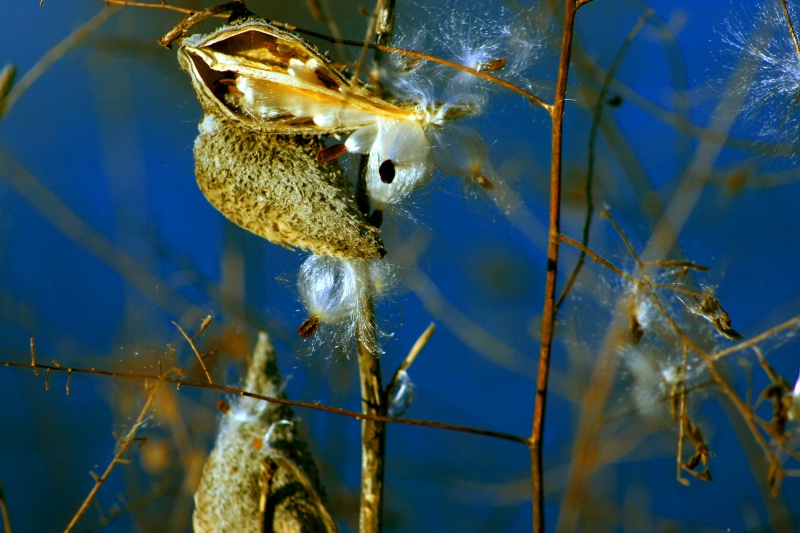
pixel 548 315
pixel 373 396
pixel 373 433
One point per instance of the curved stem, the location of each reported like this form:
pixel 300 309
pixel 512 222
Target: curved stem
pixel 548 316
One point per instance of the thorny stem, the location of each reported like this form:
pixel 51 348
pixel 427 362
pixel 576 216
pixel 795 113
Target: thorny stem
pixel 548 316
pixel 180 383
pixel 123 446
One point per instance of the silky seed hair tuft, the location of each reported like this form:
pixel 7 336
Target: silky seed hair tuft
pixel 334 293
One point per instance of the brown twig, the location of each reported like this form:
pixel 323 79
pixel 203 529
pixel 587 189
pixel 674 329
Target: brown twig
pixel 548 315
pixel 180 383
pixel 193 18
pixel 373 396
pixel 791 27
pixel 373 431
pixel 123 445
pixel 194 348
pixel 162 5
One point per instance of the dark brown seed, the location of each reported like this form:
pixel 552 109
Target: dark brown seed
pixel 329 153
pixel 223 406
pixel 326 80
pixel 309 327
pixel 386 171
pixel 484 182
pixel 492 66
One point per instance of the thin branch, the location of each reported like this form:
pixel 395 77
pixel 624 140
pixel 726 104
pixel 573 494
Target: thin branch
pixel 373 396
pixel 373 431
pixel 193 18
pixel 123 445
pixel 4 510
pixel 194 349
pixel 180 383
pixel 791 27
pixel 597 116
pixel 412 355
pixel 548 315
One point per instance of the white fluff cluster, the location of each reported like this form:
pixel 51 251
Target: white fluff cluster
pixel 405 148
pixel 335 292
pixel 403 154
pixel 768 75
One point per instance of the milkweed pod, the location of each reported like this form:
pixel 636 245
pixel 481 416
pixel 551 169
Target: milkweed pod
pixel 274 81
pixel 275 187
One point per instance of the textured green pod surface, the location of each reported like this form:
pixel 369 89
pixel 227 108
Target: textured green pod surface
pixel 274 186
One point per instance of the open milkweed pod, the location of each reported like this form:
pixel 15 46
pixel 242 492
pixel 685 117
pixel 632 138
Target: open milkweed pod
pixel 274 81
pixel 268 179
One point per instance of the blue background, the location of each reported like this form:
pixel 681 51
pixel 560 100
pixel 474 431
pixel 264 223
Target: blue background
pixel 105 239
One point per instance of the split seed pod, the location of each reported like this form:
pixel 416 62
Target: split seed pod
pixel 255 158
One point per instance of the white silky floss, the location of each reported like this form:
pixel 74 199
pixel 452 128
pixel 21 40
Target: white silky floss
pixel 335 291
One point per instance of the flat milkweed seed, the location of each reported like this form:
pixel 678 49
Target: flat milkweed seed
pixel 492 65
pixel 329 153
pixel 309 327
pixel 484 182
pixel 387 171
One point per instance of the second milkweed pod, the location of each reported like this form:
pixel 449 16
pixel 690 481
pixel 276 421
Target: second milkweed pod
pixel 275 187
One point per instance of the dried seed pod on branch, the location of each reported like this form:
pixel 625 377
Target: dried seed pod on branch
pixel 255 158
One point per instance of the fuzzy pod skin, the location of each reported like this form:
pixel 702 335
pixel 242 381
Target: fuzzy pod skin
pixel 260 476
pixel 274 186
pixel 262 175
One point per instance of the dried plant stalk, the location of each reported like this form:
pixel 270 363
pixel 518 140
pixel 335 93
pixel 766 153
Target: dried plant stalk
pixel 260 475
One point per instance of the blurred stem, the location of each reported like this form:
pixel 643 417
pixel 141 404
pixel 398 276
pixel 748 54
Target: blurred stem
pixel 597 115
pixel 373 396
pixel 4 510
pixel 549 315
pixel 373 432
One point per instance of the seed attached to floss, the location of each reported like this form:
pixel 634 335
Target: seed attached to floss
pixel 309 327
pixel 387 171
